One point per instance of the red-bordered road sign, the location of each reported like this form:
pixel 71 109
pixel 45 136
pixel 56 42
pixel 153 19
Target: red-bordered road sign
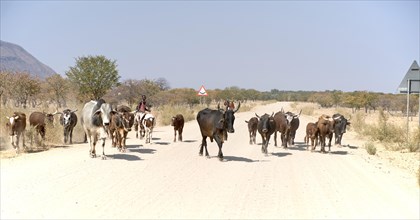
pixel 202 92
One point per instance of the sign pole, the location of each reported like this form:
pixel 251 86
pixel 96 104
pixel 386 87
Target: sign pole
pixel 408 108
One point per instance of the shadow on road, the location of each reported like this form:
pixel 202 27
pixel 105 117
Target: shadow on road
pixel 124 157
pixel 240 159
pixel 280 154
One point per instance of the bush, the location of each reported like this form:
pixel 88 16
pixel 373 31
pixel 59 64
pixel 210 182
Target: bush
pixel 370 148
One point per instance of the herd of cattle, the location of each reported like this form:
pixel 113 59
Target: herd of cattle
pixel 100 121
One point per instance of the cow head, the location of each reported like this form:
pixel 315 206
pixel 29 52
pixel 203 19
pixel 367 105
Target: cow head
pixel 229 118
pixel 12 123
pixel 340 123
pixel 65 118
pixel 127 120
pixel 265 121
pixel 102 116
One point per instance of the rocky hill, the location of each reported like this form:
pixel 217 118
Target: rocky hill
pixel 14 58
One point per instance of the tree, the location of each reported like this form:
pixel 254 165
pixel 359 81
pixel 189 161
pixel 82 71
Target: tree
pixel 94 76
pixel 56 89
pixel 24 88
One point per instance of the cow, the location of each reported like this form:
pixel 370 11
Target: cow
pixel 127 115
pixel 214 124
pixel 283 127
pixel 16 127
pixel 138 125
pixel 294 125
pixel 39 121
pixel 252 129
pixel 149 122
pixel 68 119
pixel 325 130
pixel 119 127
pixel 96 116
pixel 340 126
pixel 266 127
pixel 177 122
pixel 311 134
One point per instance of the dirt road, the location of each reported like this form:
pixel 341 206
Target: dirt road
pixel 169 180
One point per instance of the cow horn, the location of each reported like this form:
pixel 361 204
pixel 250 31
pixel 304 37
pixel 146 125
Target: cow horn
pixel 257 115
pixel 237 108
pixel 272 114
pixel 218 106
pixel 300 112
pixel 74 111
pixel 282 111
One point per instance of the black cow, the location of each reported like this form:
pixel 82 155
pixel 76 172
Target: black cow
pixel 266 127
pixel 252 129
pixel 294 125
pixel 68 119
pixel 340 126
pixel 214 124
pixel 177 122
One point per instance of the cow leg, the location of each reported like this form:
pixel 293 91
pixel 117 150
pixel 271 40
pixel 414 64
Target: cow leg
pixel 103 148
pixel 180 134
pixel 203 145
pixel 70 134
pixel 92 144
pixel 174 135
pixel 219 142
pixel 275 138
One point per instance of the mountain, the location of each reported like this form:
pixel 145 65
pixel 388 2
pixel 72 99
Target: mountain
pixel 14 58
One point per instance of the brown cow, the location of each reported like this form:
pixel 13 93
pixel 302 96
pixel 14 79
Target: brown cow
pixel 39 120
pixel 118 129
pixel 311 134
pixel 16 127
pixel 178 123
pixel 252 129
pixel 325 130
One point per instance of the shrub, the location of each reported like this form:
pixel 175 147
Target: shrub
pixel 370 148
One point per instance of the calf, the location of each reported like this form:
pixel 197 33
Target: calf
pixel 311 133
pixel 16 127
pixel 252 129
pixel 178 123
pixel 68 119
pixel 138 125
pixel 266 127
pixel 149 123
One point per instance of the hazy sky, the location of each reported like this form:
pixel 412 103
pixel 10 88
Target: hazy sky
pixel 262 45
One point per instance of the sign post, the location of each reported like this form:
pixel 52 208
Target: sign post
pixel 411 84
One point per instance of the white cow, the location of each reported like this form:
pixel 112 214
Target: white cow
pixel 95 119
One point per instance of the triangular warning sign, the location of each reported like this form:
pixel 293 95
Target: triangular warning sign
pixel 202 91
pixel 412 76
